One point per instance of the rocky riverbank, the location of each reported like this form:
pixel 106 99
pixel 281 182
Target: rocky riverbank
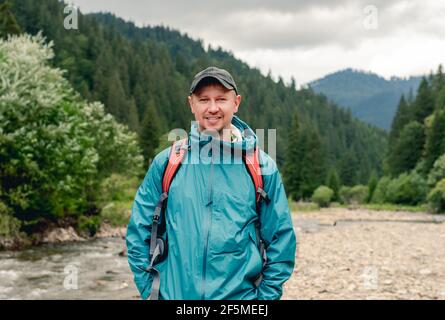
pixel 363 254
pixel 59 235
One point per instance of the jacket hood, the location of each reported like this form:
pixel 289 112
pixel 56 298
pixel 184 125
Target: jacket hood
pixel 248 143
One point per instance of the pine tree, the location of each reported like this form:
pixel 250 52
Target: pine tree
pixel 349 168
pixel 133 117
pixel 313 167
pixel 401 118
pixel 8 23
pixel 408 149
pixel 424 102
pixel 149 133
pixel 292 167
pixel 116 101
pixel 435 144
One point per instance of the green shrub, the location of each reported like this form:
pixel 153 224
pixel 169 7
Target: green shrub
pixel 9 226
pixel 117 213
pixel 118 188
pixel 55 147
pixel 354 195
pixel 437 173
pixel 372 185
pixel 410 189
pixel 345 193
pixel 436 198
pixel 89 224
pixel 323 196
pixel 379 195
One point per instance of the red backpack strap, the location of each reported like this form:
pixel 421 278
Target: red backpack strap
pixel 157 244
pixel 251 159
pixel 177 153
pixel 252 162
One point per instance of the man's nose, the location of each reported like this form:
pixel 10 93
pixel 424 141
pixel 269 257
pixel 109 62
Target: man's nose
pixel 213 107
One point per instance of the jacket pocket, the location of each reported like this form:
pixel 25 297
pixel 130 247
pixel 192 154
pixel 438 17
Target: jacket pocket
pixel 257 261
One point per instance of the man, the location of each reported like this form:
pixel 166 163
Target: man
pixel 212 219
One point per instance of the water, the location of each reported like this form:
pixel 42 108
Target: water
pixel 77 270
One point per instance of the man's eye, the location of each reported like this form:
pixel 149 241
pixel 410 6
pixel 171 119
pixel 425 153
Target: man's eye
pixel 222 99
pixel 203 100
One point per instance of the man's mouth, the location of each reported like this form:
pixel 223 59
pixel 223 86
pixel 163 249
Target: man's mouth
pixel 213 120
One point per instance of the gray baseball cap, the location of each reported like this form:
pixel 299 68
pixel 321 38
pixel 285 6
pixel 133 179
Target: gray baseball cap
pixel 223 76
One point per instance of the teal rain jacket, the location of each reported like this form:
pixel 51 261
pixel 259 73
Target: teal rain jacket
pixel 210 222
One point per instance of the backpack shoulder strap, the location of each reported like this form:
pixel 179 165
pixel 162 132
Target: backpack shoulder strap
pixel 251 159
pixel 177 153
pixel 158 247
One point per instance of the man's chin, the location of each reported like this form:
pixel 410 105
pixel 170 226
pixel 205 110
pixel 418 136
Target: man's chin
pixel 212 129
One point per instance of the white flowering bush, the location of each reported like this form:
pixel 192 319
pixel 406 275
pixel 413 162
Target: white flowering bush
pixel 55 148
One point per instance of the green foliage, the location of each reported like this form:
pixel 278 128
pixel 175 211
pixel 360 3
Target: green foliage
pixel 89 224
pixel 322 196
pixel 334 184
pixel 423 106
pixel 354 195
pixel 435 143
pixel 417 143
pixel 410 189
pixel 436 197
pixel 118 187
pixel 407 151
pixel 128 68
pixel 149 134
pixel 8 23
pixel 438 171
pixel 117 213
pixel 305 163
pixel 300 206
pixel 293 164
pixel 379 195
pixel 372 185
pixel 9 226
pixel 55 147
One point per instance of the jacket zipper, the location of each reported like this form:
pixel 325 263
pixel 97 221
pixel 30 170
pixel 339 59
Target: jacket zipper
pixel 208 225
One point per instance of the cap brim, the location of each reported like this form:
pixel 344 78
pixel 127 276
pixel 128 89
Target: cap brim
pixel 222 81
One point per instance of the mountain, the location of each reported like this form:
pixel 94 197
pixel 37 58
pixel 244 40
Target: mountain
pixel 141 73
pixel 369 96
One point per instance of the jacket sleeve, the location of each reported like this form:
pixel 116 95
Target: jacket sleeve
pixel 139 227
pixel 279 236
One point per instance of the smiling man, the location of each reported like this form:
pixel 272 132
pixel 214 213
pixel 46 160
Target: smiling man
pixel 211 229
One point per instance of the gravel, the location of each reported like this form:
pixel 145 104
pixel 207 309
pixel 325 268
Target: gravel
pixel 363 254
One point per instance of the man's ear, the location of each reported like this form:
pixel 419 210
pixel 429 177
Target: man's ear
pixel 189 98
pixel 237 103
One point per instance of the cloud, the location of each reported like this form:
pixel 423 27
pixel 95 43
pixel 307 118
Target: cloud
pixel 304 39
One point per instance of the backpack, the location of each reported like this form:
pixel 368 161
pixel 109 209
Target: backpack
pixel 158 246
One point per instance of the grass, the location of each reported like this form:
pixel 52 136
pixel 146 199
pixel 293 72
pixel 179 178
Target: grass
pixel 300 206
pixel 395 207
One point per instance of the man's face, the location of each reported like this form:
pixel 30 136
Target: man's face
pixel 214 106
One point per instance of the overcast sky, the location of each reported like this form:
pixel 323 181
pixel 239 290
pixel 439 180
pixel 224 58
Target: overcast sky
pixel 304 39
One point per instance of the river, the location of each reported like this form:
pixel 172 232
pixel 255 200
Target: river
pixel 77 270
